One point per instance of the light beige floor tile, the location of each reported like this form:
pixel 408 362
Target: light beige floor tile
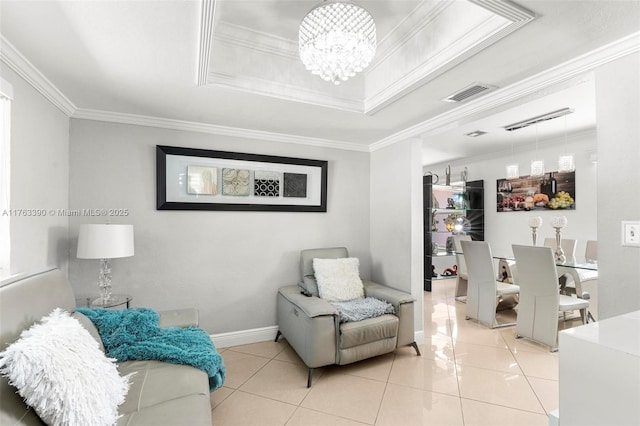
pixel 478 413
pixel 495 387
pixel 376 368
pixel 471 332
pixel 547 391
pixel 406 406
pixel 434 347
pixel 426 374
pixel 488 357
pixel 244 409
pixel 240 367
pixel 219 395
pixel 538 364
pixel 306 417
pixel 289 355
pixel 342 395
pixel 279 380
pixel 264 349
pixel 438 326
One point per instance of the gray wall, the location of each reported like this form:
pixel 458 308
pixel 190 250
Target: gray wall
pixel 39 179
pixel 229 265
pixel 618 108
pixel 396 220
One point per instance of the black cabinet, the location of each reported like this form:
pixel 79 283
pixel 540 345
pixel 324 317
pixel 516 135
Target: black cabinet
pixel 456 201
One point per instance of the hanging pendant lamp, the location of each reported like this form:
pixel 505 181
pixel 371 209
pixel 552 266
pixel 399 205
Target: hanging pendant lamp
pixel 337 39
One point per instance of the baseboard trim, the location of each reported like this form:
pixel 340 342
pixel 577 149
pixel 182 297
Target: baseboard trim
pixel 244 337
pixel 264 334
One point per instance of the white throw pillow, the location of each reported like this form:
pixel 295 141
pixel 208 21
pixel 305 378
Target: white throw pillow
pixel 338 279
pixel 60 372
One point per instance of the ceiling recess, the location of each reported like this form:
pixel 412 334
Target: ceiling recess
pixel 468 92
pixel 538 119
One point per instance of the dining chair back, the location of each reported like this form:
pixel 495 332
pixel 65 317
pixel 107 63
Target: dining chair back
pixel 591 251
pixel 462 281
pixel 540 300
pixel 568 247
pixel 484 292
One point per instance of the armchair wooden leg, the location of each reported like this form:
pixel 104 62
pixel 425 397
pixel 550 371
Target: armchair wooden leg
pixel 309 378
pixel 278 334
pixel 415 346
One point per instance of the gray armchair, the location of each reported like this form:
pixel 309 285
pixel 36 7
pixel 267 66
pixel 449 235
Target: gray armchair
pixel 312 325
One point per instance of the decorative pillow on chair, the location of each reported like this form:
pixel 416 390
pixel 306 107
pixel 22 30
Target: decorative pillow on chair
pixel 62 374
pixel 338 279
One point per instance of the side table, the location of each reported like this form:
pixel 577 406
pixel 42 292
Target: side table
pixel 114 301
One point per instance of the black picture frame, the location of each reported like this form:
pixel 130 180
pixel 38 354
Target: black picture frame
pixel 174 181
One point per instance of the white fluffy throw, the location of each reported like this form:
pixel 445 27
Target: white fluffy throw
pixel 338 279
pixel 60 371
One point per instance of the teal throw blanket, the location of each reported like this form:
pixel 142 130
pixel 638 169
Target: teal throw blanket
pixel 134 334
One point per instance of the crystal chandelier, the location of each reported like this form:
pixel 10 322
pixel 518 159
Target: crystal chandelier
pixel 337 39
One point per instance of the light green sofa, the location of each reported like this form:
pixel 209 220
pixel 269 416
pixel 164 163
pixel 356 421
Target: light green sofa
pixel 160 393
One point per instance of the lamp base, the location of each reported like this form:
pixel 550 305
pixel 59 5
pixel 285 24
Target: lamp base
pixel 104 280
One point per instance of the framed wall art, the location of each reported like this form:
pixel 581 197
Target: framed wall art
pixel 552 191
pixel 202 179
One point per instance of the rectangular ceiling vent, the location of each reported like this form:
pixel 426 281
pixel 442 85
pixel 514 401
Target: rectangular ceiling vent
pixel 469 92
pixel 538 119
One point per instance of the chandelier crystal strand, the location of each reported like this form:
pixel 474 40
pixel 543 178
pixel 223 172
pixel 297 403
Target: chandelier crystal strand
pixel 337 40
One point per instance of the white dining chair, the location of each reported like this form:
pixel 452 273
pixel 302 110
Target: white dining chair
pixel 568 247
pixel 484 292
pixel 462 281
pixel 591 251
pixel 540 299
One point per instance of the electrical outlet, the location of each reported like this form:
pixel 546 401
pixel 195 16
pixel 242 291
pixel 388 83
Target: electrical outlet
pixel 631 233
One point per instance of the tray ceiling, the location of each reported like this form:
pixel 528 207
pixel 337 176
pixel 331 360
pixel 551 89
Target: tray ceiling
pixel 252 48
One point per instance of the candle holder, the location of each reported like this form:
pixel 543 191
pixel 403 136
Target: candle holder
pixel 559 222
pixel 535 223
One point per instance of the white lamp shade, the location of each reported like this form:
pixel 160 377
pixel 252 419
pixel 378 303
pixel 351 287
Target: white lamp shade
pixel 97 241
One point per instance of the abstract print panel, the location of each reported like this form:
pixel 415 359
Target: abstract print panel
pixel 266 184
pixel 295 185
pixel 236 182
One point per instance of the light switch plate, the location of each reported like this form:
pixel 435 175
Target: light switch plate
pixel 631 233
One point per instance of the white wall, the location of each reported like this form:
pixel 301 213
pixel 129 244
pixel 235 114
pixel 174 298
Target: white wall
pixel 502 229
pixel 228 265
pixel 618 109
pixel 396 221
pixel 39 179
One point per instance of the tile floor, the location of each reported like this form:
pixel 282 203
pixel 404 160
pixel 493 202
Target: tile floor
pixel 467 375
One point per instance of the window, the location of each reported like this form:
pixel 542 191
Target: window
pixel 6 94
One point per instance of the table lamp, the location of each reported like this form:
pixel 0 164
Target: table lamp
pixel 559 222
pixel 535 223
pixel 104 242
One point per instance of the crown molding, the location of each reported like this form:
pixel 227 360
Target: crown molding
pixel 416 21
pixel 279 90
pixel 256 40
pixel 190 126
pixel 25 69
pixel 207 18
pixel 567 70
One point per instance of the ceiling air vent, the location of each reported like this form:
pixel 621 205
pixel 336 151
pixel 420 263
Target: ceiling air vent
pixel 469 92
pixel 538 119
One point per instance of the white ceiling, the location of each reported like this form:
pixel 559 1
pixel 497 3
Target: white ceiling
pixel 141 59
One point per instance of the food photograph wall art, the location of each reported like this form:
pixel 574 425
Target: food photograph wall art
pixel 551 191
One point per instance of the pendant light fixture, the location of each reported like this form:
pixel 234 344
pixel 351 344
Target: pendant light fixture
pixel 566 161
pixel 513 171
pixel 337 39
pixel 537 166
